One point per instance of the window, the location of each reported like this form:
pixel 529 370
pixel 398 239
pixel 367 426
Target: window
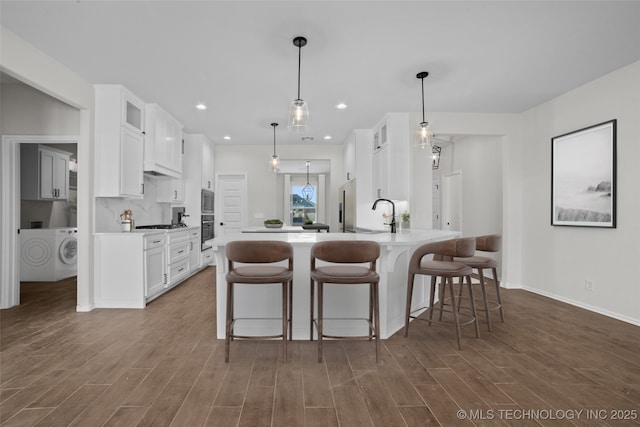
pixel 303 200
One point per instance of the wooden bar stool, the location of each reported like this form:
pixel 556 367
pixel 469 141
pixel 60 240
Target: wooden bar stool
pixel 254 257
pixel 488 243
pixel 340 253
pixel 442 265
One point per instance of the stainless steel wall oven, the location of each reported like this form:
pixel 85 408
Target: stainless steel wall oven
pixel 207 227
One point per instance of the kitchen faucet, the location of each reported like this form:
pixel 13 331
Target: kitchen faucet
pixel 393 212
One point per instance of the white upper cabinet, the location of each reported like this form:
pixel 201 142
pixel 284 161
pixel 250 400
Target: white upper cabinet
pixel 44 173
pixel 170 190
pixel 391 157
pixel 208 172
pixel 119 142
pixel 163 142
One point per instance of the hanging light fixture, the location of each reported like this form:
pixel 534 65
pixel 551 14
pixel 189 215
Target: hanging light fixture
pixel 424 134
pixel 435 156
pixel 275 162
pixel 307 190
pixel 299 111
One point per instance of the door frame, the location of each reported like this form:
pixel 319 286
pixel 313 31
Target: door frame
pixel 10 286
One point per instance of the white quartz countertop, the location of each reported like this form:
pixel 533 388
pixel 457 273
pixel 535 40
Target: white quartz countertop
pixel 402 237
pixel 145 231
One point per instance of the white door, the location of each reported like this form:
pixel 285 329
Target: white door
pixel 231 204
pixel 452 202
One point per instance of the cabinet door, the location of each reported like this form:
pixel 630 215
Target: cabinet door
pixel 155 270
pixel 207 164
pixel 131 161
pixel 381 172
pixel 47 173
pixel 194 254
pixel 171 190
pixel 61 176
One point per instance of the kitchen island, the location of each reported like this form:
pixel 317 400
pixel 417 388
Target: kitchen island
pixel 264 301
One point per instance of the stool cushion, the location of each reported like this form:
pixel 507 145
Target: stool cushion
pixel 345 274
pixel 444 268
pixel 259 274
pixel 478 262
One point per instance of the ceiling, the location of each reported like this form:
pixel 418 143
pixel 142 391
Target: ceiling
pixel 237 57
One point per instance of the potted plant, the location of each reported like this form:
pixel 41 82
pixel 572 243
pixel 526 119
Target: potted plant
pixel 405 218
pixel 273 223
pixel 307 221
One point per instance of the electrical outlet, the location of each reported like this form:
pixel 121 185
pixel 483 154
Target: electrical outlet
pixel 588 285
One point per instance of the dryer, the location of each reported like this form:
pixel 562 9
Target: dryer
pixel 48 254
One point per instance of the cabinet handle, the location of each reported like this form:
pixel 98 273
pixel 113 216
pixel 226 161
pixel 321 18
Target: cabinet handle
pixel 142 188
pixel 180 270
pixel 208 184
pixel 180 251
pixel 157 241
pixel 165 278
pixel 175 194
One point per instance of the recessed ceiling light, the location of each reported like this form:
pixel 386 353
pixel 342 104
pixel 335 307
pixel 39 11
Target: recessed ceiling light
pixel 327 137
pixel 201 106
pixel 341 106
pixel 227 137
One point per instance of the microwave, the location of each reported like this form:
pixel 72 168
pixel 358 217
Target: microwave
pixel 207 201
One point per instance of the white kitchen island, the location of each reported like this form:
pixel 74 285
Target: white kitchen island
pixel 264 301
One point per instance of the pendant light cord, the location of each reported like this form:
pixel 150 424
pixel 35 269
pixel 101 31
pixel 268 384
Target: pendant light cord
pixel 274 138
pixel 299 61
pixel 422 81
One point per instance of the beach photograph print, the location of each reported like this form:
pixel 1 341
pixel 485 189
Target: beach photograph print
pixel 583 177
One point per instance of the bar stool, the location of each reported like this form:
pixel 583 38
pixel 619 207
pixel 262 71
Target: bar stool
pixel 487 243
pixel 257 254
pixel 442 265
pixel 346 252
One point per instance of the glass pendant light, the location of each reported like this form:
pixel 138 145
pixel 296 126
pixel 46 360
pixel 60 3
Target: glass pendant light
pixel 275 162
pixel 307 190
pixel 423 138
pixel 299 111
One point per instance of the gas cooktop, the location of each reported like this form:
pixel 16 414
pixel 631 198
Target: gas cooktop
pixel 160 226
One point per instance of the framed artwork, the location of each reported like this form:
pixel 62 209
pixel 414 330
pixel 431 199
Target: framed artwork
pixel 583 177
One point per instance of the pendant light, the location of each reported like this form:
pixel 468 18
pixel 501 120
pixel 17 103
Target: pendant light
pixel 423 138
pixel 275 162
pixel 307 190
pixel 299 111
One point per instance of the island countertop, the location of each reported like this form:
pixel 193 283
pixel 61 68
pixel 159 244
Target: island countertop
pixel 263 302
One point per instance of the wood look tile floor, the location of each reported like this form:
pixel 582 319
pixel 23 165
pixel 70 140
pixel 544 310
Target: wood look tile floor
pixel 549 364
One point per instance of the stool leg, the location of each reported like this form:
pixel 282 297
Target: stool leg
pixel 371 305
pixel 227 337
pixel 408 306
pixel 285 321
pixel 454 309
pixel 495 280
pixel 473 305
pixel 290 314
pixel 432 297
pixel 443 288
pixel 319 322
pixel 484 298
pixel 311 311
pixel 376 315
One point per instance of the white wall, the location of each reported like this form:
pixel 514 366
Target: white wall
pixel 479 159
pixel 24 62
pixel 556 261
pixel 265 188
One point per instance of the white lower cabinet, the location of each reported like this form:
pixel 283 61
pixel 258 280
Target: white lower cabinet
pixel 178 248
pixel 155 267
pixel 131 269
pixel 207 257
pixel 194 250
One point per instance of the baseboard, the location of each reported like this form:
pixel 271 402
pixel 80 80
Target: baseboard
pixel 85 308
pixel 594 309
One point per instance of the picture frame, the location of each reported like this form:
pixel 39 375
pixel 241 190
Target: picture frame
pixel 583 177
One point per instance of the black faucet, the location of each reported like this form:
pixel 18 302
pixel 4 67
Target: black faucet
pixel 393 212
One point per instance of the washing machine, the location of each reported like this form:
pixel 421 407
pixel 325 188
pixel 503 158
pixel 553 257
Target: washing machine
pixel 48 254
